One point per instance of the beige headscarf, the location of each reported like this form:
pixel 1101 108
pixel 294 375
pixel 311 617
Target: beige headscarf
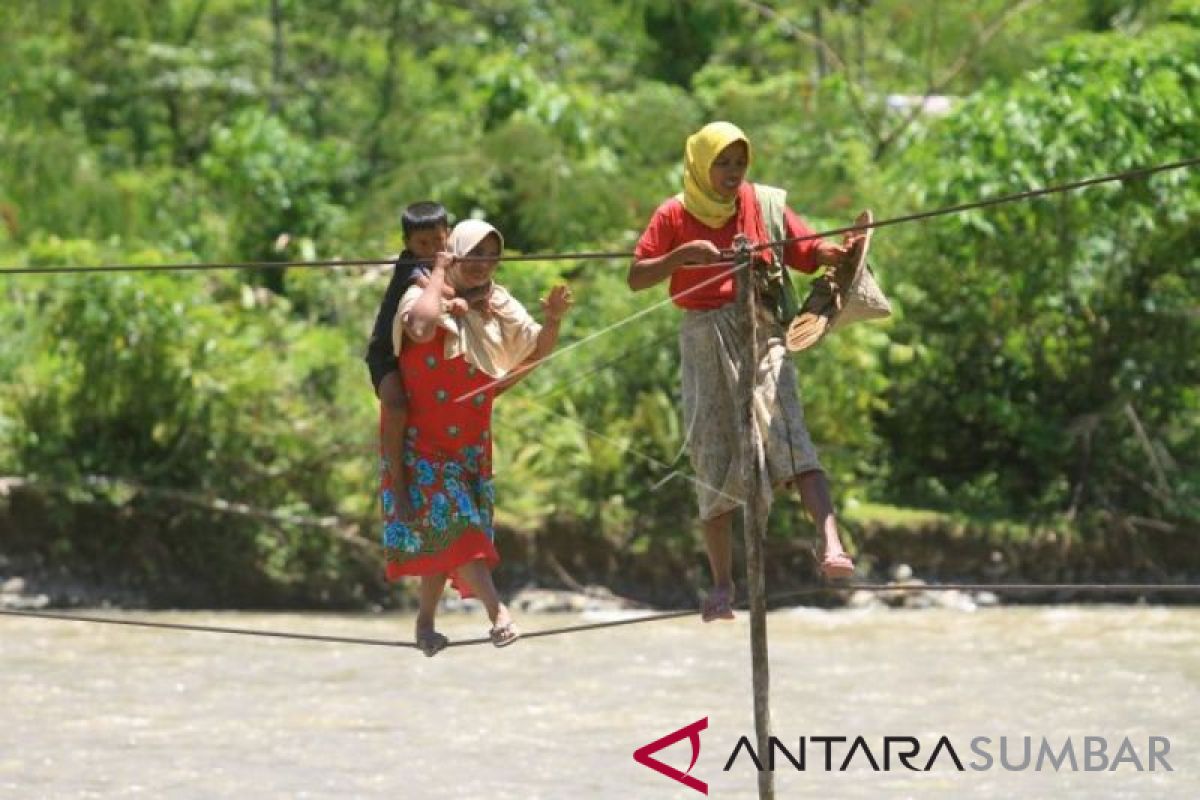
pixel 495 339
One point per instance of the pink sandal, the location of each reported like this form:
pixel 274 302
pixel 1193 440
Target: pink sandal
pixel 718 604
pixel 837 567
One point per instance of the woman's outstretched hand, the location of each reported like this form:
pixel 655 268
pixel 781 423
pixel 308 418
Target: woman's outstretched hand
pixel 831 254
pixel 557 303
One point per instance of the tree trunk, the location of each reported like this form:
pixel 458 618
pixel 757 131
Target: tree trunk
pixel 276 55
pixel 818 25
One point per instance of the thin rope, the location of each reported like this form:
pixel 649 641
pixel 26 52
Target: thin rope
pixel 994 201
pixel 333 262
pixel 590 626
pixel 179 626
pixel 1015 588
pixel 601 255
pixel 562 351
pixel 1088 588
pixel 572 380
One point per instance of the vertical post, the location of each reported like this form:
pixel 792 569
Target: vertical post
pixel 753 513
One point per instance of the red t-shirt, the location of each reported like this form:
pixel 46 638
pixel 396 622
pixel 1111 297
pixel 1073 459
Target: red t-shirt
pixel 672 226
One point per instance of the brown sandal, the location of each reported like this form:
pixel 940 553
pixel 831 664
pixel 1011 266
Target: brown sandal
pixel 504 635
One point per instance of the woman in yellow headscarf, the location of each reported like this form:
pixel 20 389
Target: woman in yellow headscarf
pixel 686 242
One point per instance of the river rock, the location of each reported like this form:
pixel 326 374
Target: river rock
pixel 953 600
pixel 860 599
pixel 24 602
pixel 986 599
pixel 549 601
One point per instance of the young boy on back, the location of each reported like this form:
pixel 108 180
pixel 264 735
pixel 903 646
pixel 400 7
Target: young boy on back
pixel 426 230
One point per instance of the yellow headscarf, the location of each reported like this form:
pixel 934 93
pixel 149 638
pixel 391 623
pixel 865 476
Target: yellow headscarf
pixel 703 147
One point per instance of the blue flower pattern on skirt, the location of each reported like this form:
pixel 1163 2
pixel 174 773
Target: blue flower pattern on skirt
pixel 398 536
pixel 439 512
pixel 471 455
pixel 461 499
pixel 425 472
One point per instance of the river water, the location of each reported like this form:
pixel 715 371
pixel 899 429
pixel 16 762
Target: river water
pixel 91 710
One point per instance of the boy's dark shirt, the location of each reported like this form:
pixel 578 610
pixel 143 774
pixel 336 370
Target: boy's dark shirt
pixel 380 358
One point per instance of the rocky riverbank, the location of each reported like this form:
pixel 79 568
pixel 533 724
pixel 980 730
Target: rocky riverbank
pixel 101 556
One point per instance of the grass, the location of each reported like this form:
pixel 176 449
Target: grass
pixel 868 514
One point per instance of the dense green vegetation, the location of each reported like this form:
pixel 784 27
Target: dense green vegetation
pixel 1041 366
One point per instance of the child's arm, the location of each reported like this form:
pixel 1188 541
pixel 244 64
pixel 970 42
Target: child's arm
pixel 554 308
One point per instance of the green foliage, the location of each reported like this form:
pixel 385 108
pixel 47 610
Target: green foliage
pixel 192 383
pixel 273 183
pixel 1041 358
pixel 1055 364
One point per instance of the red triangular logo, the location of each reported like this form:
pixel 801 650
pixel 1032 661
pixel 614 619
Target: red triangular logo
pixel 692 733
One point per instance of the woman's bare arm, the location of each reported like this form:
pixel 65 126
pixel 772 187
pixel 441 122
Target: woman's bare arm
pixel 554 307
pixel 422 320
pixel 648 272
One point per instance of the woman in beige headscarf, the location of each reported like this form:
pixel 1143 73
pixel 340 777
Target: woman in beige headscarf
pixel 438 525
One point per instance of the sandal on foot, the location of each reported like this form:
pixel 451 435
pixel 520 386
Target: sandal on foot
pixel 837 566
pixel 431 642
pixel 718 604
pixel 504 635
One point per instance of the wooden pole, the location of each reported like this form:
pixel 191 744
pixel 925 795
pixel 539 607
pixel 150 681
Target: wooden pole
pixel 754 515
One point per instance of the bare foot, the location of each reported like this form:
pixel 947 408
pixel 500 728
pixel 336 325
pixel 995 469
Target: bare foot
pixel 429 641
pixel 718 604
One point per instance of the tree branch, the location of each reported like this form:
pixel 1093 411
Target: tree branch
pixel 340 528
pixel 965 58
pixel 799 33
pixel 276 55
pixel 387 86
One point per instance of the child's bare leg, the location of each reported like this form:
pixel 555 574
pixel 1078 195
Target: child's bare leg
pixel 394 416
pixel 814 493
